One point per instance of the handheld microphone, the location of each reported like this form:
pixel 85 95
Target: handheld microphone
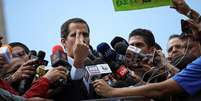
pixel 41 58
pixel 26 83
pixel 133 54
pixel 59 57
pixel 118 68
pixel 96 71
pixel 115 45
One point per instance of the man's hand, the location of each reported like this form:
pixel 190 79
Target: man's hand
pixel 56 74
pixel 25 71
pixel 37 99
pixel 102 88
pixel 181 6
pixel 81 50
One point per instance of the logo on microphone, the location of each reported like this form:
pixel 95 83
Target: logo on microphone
pixel 122 71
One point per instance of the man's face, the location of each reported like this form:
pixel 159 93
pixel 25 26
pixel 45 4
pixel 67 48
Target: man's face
pixel 69 41
pixel 139 42
pixel 175 48
pixel 193 48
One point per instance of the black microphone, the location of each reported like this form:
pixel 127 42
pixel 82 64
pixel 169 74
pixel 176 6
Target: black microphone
pixel 133 54
pixel 115 45
pixel 26 83
pixel 41 58
pixel 118 68
pixel 32 54
pixel 59 57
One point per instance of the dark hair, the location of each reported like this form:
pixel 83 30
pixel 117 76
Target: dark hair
pixel 157 46
pixel 65 26
pixel 174 36
pixel 15 44
pixel 146 34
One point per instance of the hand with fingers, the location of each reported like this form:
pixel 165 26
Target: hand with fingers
pixel 25 71
pixel 102 88
pixel 56 74
pixel 81 49
pixel 181 6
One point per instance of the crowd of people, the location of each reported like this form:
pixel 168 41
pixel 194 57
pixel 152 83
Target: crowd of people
pixel 138 65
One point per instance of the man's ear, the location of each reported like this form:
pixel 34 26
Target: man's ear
pixel 63 42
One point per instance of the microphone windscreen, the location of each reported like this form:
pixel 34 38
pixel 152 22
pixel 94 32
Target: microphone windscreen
pixel 121 48
pixel 33 52
pixel 41 55
pixel 116 40
pixel 57 48
pixel 107 53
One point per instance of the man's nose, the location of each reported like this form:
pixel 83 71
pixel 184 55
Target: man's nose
pixel 174 50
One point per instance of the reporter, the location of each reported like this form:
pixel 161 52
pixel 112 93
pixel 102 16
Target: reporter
pixel 144 39
pixel 185 82
pixel 39 87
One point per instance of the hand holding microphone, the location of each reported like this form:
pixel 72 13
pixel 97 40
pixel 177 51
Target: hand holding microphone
pixel 102 88
pixel 25 71
pixel 56 74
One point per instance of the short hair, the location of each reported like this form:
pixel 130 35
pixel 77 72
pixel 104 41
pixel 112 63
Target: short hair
pixel 146 34
pixel 65 26
pixel 158 47
pixel 174 36
pixel 15 44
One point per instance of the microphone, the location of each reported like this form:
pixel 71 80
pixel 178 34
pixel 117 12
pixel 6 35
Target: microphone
pixel 96 71
pixel 26 83
pixel 41 58
pixel 118 68
pixel 59 57
pixel 133 54
pixel 115 44
pixel 32 54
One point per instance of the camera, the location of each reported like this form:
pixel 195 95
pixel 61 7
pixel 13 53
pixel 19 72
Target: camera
pixel 185 27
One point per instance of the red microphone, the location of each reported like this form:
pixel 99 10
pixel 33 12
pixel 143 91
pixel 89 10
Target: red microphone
pixel 59 57
pixel 57 48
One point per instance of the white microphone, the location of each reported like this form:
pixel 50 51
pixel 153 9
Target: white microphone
pixel 95 71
